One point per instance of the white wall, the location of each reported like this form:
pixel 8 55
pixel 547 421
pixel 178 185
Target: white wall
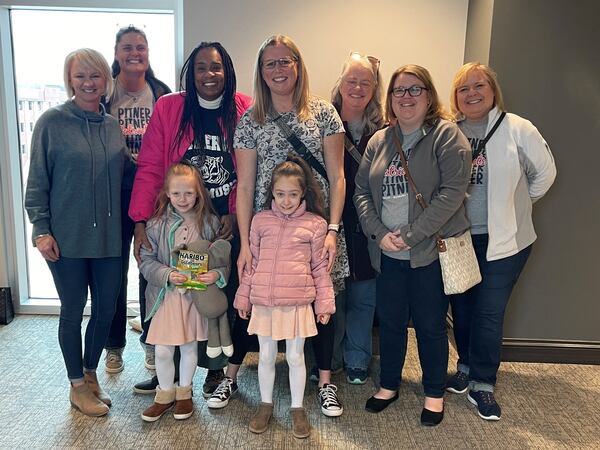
pixel 429 32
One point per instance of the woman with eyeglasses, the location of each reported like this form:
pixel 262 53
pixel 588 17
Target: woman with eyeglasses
pixel 512 168
pixel 282 101
pixel 358 97
pixel 195 126
pixel 402 236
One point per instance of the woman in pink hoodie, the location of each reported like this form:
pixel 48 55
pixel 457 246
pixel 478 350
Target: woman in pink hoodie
pixel 289 272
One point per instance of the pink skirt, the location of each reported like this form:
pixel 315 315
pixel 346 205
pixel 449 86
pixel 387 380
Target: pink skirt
pixel 177 322
pixel 282 322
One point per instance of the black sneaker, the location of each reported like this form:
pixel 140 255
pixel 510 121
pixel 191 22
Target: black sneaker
pixel 487 408
pixel 221 396
pixel 211 382
pixel 328 399
pixel 313 374
pixel 458 383
pixel 147 386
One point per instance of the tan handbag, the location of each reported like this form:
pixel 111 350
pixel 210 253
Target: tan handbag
pixel 460 270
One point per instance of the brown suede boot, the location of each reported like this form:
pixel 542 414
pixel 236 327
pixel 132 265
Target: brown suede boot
pixel 184 407
pixel 163 401
pixel 91 380
pixel 260 420
pixel 84 400
pixel 300 425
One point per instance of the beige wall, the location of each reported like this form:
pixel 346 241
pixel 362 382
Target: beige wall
pixel 430 33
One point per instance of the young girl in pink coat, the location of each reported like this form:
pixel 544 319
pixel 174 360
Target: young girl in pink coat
pixel 289 274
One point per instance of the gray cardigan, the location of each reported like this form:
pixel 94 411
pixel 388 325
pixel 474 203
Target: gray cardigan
pixel 74 183
pixel 440 164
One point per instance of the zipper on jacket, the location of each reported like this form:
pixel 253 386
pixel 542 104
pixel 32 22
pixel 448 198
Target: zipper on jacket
pixel 278 242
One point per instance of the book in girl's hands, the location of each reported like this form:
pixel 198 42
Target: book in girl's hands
pixel 192 264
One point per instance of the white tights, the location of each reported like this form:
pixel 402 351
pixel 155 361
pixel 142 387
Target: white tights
pixel 165 367
pixel 294 354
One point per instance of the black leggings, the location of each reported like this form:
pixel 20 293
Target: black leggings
pixel 322 344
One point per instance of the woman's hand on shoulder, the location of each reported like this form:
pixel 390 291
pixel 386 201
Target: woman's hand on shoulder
pixel 48 247
pixel 140 238
pixel 323 319
pixel 209 277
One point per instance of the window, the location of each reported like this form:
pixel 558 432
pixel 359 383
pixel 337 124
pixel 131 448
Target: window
pixel 39 82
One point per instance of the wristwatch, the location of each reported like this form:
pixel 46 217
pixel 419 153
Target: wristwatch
pixel 333 227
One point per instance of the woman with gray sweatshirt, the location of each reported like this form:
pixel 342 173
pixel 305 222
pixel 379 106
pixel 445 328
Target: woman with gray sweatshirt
pixel 73 201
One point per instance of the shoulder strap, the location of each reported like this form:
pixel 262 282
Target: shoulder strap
pixel 351 148
pixel 407 174
pixel 481 145
pixel 299 146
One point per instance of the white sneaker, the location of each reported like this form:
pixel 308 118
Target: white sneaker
pixel 135 323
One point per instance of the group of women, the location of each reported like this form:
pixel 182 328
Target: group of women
pixel 83 174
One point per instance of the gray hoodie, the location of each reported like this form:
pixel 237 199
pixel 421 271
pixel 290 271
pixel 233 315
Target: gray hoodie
pixel 74 183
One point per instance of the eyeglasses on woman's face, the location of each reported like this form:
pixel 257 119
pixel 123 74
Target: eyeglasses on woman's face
pixel 413 91
pixel 284 63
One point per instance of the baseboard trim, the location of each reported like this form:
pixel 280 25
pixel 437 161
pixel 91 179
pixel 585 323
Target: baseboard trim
pixel 545 351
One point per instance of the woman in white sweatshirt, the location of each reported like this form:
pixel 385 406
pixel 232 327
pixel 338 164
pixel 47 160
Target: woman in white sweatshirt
pixel 512 168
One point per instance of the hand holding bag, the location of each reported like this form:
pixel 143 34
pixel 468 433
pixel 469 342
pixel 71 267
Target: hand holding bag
pixel 460 270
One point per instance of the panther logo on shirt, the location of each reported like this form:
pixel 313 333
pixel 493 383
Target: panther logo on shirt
pixel 213 171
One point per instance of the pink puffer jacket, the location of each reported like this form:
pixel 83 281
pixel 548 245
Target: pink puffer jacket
pixel 287 268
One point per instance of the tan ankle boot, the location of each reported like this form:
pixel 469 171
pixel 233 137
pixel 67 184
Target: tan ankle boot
pixel 184 407
pixel 300 425
pixel 163 401
pixel 84 400
pixel 260 420
pixel 91 380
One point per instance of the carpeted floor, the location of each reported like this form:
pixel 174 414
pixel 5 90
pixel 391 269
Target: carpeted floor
pixel 544 406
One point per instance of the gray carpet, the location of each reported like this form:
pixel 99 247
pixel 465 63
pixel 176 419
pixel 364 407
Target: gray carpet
pixel 544 406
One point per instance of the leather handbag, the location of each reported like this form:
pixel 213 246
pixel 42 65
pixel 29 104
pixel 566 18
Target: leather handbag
pixel 460 270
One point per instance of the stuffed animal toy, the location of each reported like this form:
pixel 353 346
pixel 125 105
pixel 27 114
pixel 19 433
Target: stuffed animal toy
pixel 212 302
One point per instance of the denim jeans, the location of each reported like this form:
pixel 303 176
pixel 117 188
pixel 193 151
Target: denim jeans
pixel 116 335
pixel 72 277
pixel 478 315
pixel 355 310
pixel 404 293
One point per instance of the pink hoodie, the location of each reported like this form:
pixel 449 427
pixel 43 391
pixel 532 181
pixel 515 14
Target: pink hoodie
pixel 157 153
pixel 287 268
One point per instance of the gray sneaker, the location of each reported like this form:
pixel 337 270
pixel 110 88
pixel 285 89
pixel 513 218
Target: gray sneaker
pixel 149 361
pixel 114 360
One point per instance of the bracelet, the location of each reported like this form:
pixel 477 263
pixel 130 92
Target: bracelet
pixel 41 236
pixel 333 227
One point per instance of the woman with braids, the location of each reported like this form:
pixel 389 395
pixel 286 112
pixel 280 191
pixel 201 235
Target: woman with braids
pixel 195 125
pixel 131 102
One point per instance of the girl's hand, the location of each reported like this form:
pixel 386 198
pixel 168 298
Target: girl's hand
pixel 244 262
pixel 209 277
pixel 177 278
pixel 244 314
pixel 140 238
pixel 323 318
pixel 48 247
pixel 330 248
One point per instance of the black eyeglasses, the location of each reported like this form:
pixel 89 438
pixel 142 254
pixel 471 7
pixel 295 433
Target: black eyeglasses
pixel 374 61
pixel 413 91
pixel 284 63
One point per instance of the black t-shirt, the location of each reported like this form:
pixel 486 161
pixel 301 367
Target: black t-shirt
pixel 213 159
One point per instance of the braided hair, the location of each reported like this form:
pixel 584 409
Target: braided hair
pixel 191 108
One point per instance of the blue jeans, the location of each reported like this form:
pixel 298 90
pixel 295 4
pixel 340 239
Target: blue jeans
pixel 72 277
pixel 478 315
pixel 355 309
pixel 402 293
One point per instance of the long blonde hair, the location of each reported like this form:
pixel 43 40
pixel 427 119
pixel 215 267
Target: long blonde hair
pixel 459 79
pixel 435 110
pixel 263 104
pixel 203 209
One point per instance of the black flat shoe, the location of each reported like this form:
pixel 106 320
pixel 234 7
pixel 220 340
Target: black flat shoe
pixel 431 418
pixel 376 405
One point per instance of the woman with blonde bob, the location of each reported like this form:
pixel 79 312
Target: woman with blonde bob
pixel 281 93
pixel 402 235
pixel 73 201
pixel 358 98
pixel 512 167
